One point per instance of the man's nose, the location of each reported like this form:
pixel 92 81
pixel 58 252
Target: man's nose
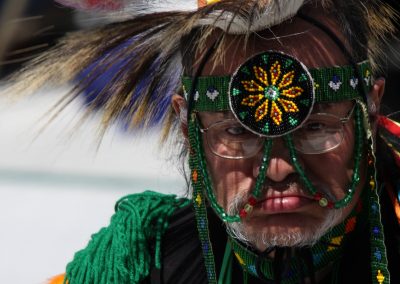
pixel 280 165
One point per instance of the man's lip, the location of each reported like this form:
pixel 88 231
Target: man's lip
pixel 284 203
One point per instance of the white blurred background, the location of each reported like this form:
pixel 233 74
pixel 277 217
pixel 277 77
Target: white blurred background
pixel 56 189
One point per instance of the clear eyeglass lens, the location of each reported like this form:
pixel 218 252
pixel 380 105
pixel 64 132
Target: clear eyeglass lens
pixel 320 133
pixel 229 139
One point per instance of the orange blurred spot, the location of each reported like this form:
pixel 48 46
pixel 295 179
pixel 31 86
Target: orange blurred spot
pixel 202 3
pixel 59 279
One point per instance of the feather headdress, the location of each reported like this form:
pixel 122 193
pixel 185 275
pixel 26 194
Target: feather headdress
pixel 130 69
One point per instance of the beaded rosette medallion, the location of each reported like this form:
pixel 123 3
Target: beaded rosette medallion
pixel 271 94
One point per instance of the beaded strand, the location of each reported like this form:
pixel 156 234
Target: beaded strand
pixel 206 178
pixel 251 202
pixel 199 201
pixel 323 201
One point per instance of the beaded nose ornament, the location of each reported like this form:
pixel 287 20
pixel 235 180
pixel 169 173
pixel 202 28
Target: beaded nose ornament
pixel 271 94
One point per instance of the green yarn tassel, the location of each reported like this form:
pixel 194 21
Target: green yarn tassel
pixel 122 252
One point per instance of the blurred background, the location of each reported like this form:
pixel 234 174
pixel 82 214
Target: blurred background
pixel 57 187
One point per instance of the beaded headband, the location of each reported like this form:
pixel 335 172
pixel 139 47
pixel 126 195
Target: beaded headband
pixel 331 84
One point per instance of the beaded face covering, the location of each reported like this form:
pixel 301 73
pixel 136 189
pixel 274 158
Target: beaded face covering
pixel 268 82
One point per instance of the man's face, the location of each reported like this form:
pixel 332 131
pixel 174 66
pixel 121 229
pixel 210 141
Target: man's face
pixel 286 214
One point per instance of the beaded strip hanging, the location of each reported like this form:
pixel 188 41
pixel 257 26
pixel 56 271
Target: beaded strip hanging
pixel 199 200
pixel 379 264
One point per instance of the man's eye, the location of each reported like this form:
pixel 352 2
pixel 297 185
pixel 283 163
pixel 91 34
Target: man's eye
pixel 314 126
pixel 235 130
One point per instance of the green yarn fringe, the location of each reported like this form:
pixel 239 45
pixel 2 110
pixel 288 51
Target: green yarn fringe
pixel 126 250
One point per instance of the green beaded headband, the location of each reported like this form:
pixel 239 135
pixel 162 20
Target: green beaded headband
pixel 331 85
pixel 273 93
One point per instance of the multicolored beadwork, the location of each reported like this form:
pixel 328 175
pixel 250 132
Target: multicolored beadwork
pixel 321 77
pixel 275 90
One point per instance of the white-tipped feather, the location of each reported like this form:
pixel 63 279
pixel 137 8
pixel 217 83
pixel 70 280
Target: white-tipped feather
pixel 273 14
pixel 133 7
pixel 88 16
pixel 155 6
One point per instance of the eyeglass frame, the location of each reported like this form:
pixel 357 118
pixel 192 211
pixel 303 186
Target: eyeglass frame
pixel 342 120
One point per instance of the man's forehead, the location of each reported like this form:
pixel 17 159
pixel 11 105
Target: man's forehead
pixel 296 37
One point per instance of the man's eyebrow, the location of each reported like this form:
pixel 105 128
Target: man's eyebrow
pixel 323 106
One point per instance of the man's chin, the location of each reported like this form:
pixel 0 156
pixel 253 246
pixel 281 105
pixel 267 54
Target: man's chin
pixel 275 237
pixel 295 234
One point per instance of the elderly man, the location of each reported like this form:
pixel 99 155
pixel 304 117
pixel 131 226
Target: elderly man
pixel 278 109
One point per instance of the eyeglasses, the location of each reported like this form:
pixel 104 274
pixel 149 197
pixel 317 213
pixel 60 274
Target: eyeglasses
pixel 321 133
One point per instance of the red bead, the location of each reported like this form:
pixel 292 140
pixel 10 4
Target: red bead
pixel 317 196
pixel 242 213
pixel 195 176
pixel 252 201
pixel 330 204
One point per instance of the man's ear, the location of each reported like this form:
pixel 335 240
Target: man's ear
pixel 374 101
pixel 180 108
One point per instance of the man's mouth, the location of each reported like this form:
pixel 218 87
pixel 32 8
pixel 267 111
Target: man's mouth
pixel 283 198
pixel 284 203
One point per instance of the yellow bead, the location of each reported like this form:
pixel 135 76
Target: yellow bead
pixel 248 208
pixel 372 183
pixel 241 261
pixel 198 199
pixel 323 202
pixel 380 277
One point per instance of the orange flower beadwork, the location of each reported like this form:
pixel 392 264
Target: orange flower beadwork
pixel 271 94
pixel 274 93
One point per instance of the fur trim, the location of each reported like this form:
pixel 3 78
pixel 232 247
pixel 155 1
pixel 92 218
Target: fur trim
pixel 132 7
pixel 264 14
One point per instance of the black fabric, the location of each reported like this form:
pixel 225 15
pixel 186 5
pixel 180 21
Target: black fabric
pixel 182 258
